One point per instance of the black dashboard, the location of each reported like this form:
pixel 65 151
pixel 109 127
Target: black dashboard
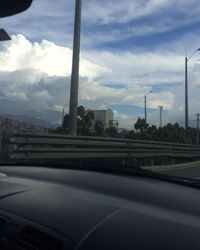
pixel 46 208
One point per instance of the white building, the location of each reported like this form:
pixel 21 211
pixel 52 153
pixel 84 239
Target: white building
pixel 105 116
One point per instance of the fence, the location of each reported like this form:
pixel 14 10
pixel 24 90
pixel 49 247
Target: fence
pixel 23 146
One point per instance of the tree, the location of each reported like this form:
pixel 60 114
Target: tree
pixel 65 122
pixel 99 128
pixel 59 130
pixel 152 130
pixel 85 121
pixel 131 135
pixel 81 111
pixel 141 125
pixel 111 132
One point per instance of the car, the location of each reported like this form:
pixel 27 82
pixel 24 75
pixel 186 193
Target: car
pixel 13 7
pixel 69 208
pixel 95 196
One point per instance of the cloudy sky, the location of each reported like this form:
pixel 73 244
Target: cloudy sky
pixel 128 48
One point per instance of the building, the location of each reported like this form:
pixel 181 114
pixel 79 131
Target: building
pixel 106 117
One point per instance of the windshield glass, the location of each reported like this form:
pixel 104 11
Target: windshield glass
pixel 125 72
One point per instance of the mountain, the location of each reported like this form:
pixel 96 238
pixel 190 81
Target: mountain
pixel 28 119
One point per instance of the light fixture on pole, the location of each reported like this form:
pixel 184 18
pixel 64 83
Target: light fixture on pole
pixel 75 71
pixel 186 87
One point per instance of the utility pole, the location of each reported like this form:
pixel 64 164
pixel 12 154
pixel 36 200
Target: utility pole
pixel 186 92
pixel 161 109
pixel 145 108
pixel 198 115
pixel 186 87
pixel 75 71
pixel 63 114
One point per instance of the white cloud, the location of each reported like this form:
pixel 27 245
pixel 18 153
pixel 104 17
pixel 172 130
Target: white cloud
pixel 120 11
pixel 42 94
pixel 18 96
pixel 117 20
pixel 125 121
pixel 36 76
pixel 53 21
pixel 45 57
pixel 58 108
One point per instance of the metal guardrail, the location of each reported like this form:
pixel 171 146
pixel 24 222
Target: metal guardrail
pixel 24 146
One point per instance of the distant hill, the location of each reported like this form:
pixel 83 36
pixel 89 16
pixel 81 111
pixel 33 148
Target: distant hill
pixel 27 119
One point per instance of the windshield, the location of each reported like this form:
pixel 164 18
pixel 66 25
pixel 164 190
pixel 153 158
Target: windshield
pixel 125 73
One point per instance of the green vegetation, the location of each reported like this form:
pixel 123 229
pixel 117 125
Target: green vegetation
pixel 169 133
pixel 87 125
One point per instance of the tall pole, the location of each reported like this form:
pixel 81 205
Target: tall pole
pixel 75 71
pixel 145 108
pixel 186 92
pixel 63 114
pixel 161 109
pixel 198 129
pixel 186 87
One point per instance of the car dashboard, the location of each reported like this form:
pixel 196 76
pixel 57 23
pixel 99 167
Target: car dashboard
pixel 49 208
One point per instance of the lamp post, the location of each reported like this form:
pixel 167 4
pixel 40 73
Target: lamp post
pixel 145 107
pixel 186 87
pixel 4 36
pixel 161 109
pixel 198 115
pixel 75 71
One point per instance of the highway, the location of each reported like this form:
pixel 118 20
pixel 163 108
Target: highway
pixel 187 170
pixel 188 173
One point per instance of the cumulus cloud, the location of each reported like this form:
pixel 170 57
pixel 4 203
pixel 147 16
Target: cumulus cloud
pixel 46 57
pixel 35 76
pixel 35 79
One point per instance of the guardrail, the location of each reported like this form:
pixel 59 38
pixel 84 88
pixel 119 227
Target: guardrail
pixel 26 146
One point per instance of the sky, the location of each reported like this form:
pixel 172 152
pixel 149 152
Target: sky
pixel 129 48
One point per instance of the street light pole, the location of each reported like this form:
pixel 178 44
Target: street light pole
pixel 145 108
pixel 186 87
pixel 186 92
pixel 198 115
pixel 75 71
pixel 63 114
pixel 161 109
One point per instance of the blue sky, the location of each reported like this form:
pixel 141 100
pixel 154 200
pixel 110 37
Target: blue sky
pixel 128 48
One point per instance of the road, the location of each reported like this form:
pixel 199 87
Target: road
pixel 188 170
pixel 188 173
